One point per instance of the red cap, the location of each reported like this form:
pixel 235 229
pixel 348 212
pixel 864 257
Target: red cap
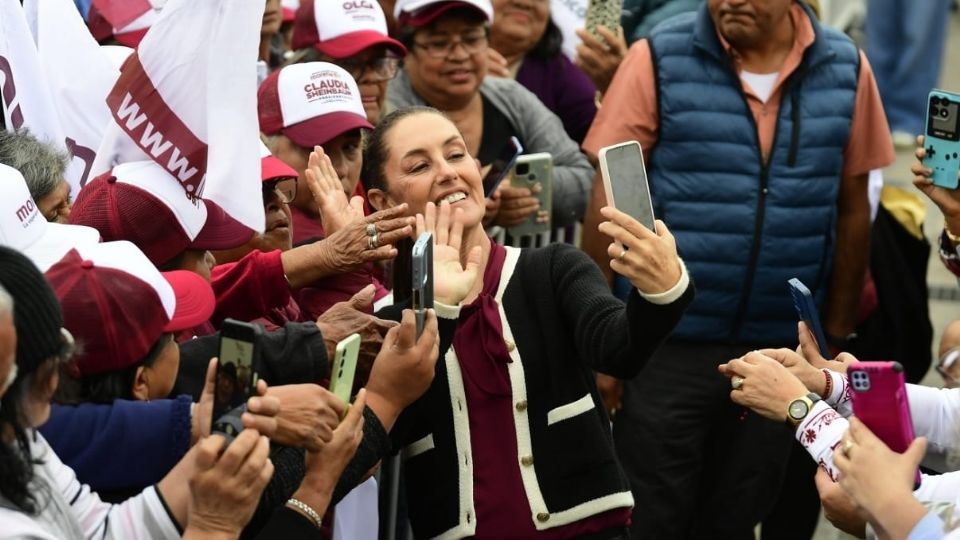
pixel 417 13
pixel 159 223
pixel 272 168
pixel 117 305
pixel 342 29
pixel 289 14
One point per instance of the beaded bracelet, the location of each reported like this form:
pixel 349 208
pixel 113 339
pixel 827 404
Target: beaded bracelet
pixel 305 509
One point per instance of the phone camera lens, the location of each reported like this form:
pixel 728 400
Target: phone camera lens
pixel 935 100
pixel 934 111
pixel 944 112
pixel 532 177
pixel 523 168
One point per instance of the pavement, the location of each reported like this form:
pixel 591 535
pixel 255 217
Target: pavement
pixel 944 290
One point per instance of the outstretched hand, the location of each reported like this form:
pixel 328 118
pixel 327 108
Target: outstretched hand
pixel 648 259
pixel 336 212
pixel 453 279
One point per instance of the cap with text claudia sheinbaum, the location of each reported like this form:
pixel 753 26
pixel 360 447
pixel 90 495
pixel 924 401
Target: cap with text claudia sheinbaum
pixel 310 103
pixel 23 227
pixel 118 305
pixel 140 202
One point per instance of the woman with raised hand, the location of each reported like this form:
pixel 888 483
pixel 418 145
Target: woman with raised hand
pixel 447 68
pixel 509 441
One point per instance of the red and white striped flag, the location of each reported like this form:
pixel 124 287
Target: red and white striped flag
pixel 186 99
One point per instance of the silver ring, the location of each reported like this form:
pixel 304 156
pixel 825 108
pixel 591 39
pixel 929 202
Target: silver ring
pixel 373 242
pixel 736 382
pixel 845 449
pixel 371 229
pixel 623 253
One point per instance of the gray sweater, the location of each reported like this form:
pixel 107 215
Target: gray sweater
pixel 538 128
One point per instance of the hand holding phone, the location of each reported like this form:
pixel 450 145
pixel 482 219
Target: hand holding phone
pixel 606 13
pixel 807 312
pixel 942 141
pixel 534 172
pixel 422 272
pixel 625 182
pixel 880 401
pixel 501 166
pixel 237 377
pixel 345 367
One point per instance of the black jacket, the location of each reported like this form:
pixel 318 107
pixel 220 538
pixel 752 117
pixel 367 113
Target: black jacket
pixel 558 310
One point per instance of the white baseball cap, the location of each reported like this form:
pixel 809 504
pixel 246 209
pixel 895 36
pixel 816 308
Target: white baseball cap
pixel 343 28
pixel 310 103
pixel 24 229
pixel 418 13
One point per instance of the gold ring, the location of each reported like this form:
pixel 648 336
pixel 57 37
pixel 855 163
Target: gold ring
pixel 845 449
pixel 736 382
pixel 623 253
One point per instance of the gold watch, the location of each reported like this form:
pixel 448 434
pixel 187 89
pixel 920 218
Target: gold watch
pixel 800 408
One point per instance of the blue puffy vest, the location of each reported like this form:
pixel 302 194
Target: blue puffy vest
pixel 744 227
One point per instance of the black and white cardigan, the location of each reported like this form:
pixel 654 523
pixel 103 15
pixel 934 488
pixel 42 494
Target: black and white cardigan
pixel 560 324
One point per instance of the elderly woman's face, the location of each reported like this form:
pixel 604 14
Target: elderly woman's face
pixel 428 161
pixel 521 22
pixel 449 58
pixel 55 206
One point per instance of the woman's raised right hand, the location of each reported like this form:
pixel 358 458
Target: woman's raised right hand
pixel 452 279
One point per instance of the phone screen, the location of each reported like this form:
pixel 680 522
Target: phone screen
pixel 628 181
pixel 501 165
pixel 235 375
pixel 944 118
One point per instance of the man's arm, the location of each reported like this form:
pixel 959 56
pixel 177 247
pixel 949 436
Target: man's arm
pixel 850 256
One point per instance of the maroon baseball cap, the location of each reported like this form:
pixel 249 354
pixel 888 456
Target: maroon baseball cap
pixel 342 29
pixel 117 304
pixel 310 103
pixel 142 203
pixel 417 13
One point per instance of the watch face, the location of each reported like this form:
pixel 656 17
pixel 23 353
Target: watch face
pixel 798 409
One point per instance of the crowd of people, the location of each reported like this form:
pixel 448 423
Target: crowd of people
pixel 638 383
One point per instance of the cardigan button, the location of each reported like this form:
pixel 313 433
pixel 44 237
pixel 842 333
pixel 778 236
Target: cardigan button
pixel 543 517
pixel 521 406
pixel 510 345
pixel 526 461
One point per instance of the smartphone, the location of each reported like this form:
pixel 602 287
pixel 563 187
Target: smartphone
pixel 236 374
pixel 880 401
pixel 943 138
pixel 625 181
pixel 422 272
pixel 807 312
pixel 605 13
pixel 529 171
pixel 345 367
pixel 501 166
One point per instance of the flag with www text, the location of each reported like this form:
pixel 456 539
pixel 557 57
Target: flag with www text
pixel 79 75
pixel 186 99
pixel 26 97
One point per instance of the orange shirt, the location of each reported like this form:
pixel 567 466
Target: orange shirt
pixel 629 109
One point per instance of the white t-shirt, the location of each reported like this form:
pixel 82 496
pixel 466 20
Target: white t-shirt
pixel 760 83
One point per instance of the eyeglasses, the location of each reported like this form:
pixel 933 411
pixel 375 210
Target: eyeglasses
pixel 441 48
pixel 383 68
pixel 286 189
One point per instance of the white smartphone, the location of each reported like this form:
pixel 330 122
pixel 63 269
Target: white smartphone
pixel 625 181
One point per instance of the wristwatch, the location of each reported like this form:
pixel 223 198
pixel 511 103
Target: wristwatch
pixel 800 408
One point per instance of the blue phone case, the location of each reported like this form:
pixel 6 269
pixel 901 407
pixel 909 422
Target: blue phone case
pixel 942 140
pixel 807 311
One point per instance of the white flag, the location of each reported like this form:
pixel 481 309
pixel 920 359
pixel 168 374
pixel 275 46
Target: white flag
pixel 78 73
pixel 27 100
pixel 186 99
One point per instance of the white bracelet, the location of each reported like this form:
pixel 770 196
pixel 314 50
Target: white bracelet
pixel 305 508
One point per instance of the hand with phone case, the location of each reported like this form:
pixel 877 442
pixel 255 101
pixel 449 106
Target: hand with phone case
pixel 942 135
pixel 453 280
pixel 404 368
pixel 535 173
pixel 600 54
pixel 947 200
pixel 879 480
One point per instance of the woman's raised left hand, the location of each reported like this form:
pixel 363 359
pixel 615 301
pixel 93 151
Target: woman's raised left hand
pixel 649 260
pixel 452 279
